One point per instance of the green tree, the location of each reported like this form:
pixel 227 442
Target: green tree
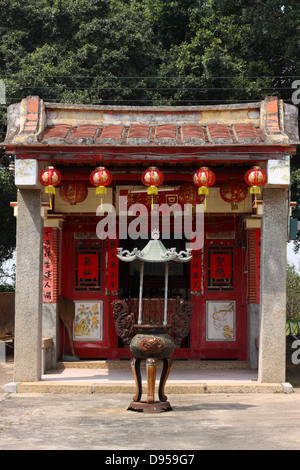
pixel 8 223
pixel 293 293
pixel 150 52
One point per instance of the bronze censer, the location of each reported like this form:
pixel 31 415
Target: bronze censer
pixel 152 342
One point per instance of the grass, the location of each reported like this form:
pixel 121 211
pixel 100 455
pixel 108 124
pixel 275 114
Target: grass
pixel 294 324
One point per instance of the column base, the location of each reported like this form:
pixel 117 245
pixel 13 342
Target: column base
pixel 154 407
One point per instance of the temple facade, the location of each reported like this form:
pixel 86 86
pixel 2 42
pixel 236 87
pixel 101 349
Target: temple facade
pixel 94 180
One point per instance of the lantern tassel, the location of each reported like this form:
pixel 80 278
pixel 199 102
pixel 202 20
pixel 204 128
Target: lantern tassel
pixel 50 190
pixel 152 190
pixel 255 190
pixel 101 190
pixel 203 190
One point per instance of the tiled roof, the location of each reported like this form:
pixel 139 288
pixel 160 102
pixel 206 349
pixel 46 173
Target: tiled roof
pixel 168 134
pixel 33 122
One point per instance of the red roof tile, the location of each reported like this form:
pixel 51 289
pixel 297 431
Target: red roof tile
pixel 192 131
pixel 58 131
pixel 83 131
pixel 138 131
pixel 218 131
pixel 166 131
pixel 112 131
pixel 246 131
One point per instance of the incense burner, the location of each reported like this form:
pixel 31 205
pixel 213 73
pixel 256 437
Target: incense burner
pixel 152 341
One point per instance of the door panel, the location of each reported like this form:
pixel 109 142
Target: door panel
pixel 83 280
pixel 219 324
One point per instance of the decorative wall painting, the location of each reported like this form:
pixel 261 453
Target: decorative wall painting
pixel 88 323
pixel 220 320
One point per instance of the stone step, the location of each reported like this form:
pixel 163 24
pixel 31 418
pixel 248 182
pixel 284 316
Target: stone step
pixel 177 364
pixel 180 388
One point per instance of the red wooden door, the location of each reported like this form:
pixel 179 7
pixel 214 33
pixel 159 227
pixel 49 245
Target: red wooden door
pixel 84 279
pixel 219 324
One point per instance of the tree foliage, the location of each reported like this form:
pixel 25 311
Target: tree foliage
pixel 8 223
pixel 149 52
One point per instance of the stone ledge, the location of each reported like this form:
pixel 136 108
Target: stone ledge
pixel 177 364
pixel 175 388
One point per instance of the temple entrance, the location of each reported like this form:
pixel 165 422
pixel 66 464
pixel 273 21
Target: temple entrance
pixel 179 274
pixel 214 284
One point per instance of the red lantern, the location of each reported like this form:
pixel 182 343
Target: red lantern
pixel 187 194
pixel 101 178
pixel 256 177
pixel 204 178
pixel 234 191
pixel 73 192
pixel 50 177
pixel 152 178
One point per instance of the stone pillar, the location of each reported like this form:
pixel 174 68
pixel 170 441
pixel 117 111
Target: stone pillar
pixel 272 341
pixel 28 308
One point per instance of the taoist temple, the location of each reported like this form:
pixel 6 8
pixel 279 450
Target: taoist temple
pixel 86 173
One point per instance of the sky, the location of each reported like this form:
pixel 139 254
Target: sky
pixel 293 258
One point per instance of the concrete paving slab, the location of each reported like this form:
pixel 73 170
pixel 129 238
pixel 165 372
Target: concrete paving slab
pixel 196 422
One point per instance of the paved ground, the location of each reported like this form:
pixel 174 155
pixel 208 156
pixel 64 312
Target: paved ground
pixel 101 422
pixel 197 422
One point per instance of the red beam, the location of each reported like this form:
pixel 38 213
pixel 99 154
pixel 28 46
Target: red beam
pixel 135 176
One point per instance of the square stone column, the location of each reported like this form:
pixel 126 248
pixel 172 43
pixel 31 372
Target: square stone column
pixel 28 308
pixel 272 341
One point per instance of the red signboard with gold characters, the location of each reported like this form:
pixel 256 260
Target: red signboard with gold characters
pixel 113 266
pixel 48 260
pixel 196 271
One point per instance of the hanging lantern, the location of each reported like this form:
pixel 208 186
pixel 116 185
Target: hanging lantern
pixel 234 191
pixel 256 177
pixel 204 178
pixel 50 177
pixel 73 192
pixel 152 178
pixel 101 178
pixel 187 194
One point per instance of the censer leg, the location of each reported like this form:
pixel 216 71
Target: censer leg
pixel 151 376
pixel 136 370
pixel 167 364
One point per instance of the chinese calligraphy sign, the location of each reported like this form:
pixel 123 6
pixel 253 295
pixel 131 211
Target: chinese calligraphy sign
pixel 48 266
